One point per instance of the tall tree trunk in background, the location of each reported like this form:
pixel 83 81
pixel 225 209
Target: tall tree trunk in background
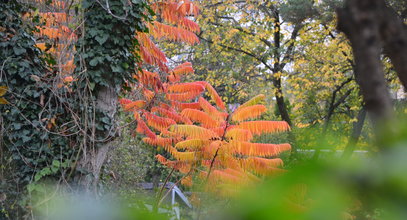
pixel 360 21
pixel 394 35
pixel 282 107
pixel 277 70
pixel 356 132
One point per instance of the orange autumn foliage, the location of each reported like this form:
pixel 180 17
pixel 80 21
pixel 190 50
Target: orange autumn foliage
pixel 199 135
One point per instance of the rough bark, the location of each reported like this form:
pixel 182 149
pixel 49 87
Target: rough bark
pixel 282 107
pixel 93 159
pixel 106 60
pixel 394 35
pixel 277 69
pixel 359 20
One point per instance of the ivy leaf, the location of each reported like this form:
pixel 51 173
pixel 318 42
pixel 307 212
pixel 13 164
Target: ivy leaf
pixel 25 139
pixel 18 51
pixel 92 85
pixel 93 62
pixel 56 163
pixel 117 69
pixel 37 177
pixel 102 39
pixel 17 126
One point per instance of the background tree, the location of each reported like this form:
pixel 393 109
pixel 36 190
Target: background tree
pixel 382 28
pixel 259 30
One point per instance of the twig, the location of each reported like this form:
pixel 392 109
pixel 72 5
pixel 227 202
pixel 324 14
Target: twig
pixel 162 189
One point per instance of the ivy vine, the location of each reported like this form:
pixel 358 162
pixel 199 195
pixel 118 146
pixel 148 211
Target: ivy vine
pixel 30 136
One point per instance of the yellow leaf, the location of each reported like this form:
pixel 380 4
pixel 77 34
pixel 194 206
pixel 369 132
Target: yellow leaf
pixel 3 101
pixel 3 90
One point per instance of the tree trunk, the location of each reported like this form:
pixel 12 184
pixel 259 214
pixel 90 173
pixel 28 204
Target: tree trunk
pixel 356 131
pixel 282 107
pixel 277 69
pixel 93 159
pixel 394 35
pixel 359 20
pixel 106 60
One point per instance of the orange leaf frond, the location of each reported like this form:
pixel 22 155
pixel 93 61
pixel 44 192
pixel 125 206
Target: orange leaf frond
pixel 157 122
pixel 261 166
pixel 192 144
pixel 171 114
pixel 182 69
pixel 186 87
pixel 171 13
pixel 134 105
pixel 261 127
pixel 150 53
pixel 219 130
pixel 238 134
pixel 181 166
pixel 68 67
pixel 159 30
pixel 165 106
pixel 184 156
pixel 189 25
pixel 142 128
pixel 199 116
pixel 160 141
pixel 54 18
pixel 220 176
pixel 253 101
pixel 194 132
pixel 187 181
pixel 124 101
pixel 214 95
pixel 148 94
pixel 215 146
pixel 187 8
pixel 61 33
pixel 241 174
pixel 257 149
pixel 175 9
pixel 184 96
pixel 148 78
pixel 181 106
pixel 161 159
pixel 210 110
pixel 249 112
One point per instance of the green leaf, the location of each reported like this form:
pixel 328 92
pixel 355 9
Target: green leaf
pixel 101 40
pixel 37 177
pixel 125 65
pixel 18 51
pixel 17 126
pixel 56 163
pixel 93 62
pixel 92 85
pixel 117 69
